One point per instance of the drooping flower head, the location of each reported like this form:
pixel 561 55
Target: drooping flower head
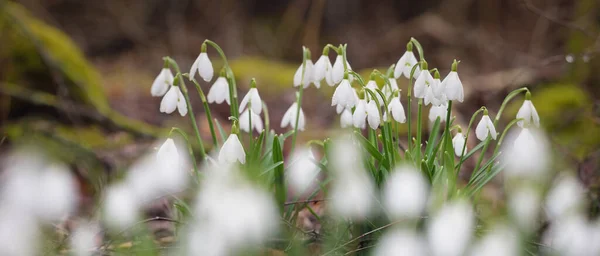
pixel 458 143
pixel 373 116
pixel 162 82
pixel 219 91
pixel 323 69
pixel 406 63
pixel 395 107
pixel 344 95
pixel 203 66
pixel 232 150
pixel 440 111
pixel 346 118
pixel 360 115
pixel 290 116
pixel 253 98
pixel 528 113
pixel 338 71
pixel 247 117
pixel 424 81
pixel 405 193
pixel 174 99
pixel 308 76
pixel 485 127
pixel 452 84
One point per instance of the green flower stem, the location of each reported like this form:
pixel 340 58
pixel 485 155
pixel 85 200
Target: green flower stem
pixel 266 114
pixel 185 93
pixel 419 48
pixel 305 57
pixel 189 146
pixel 499 144
pixel 233 96
pixel 462 155
pixel 485 146
pixel 509 97
pixel 213 134
pixel 447 130
pixel 419 124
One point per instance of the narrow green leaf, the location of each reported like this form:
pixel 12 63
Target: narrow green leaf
pixel 279 182
pixel 369 147
pixel 221 131
pixel 470 154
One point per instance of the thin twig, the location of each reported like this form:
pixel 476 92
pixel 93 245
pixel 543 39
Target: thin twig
pixel 304 201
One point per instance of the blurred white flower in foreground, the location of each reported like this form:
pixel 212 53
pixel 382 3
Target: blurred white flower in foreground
pixel 57 191
pixel 308 75
pixel 564 198
pixel 290 116
pixel 450 229
pixel 174 99
pixel 232 150
pixel 528 113
pixel 121 207
pixel 573 236
pixel 253 98
pixel 401 242
pixel 524 207
pixel 527 154
pixel 203 66
pixel 162 82
pixel 499 241
pixel 85 239
pixel 405 193
pixel 344 95
pixel 19 232
pixel 303 172
pixel 485 127
pixel 257 123
pixel 169 172
pixel 219 91
pixel 337 72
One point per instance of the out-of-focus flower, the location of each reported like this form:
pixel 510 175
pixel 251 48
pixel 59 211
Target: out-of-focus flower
pixel 120 207
pixel 524 207
pixel 57 193
pixel 401 242
pixel 360 115
pixel 566 197
pixel 395 107
pixel 219 91
pixel 19 232
pixel 232 150
pixel 337 72
pixel 290 116
pixel 257 123
pixel 162 82
pixel 346 118
pixel 405 193
pixel 303 171
pixel 527 155
pixel 174 99
pixel 499 241
pixel 169 171
pixel 84 239
pixel 573 236
pixel 454 220
pixel 406 63
pixel 452 85
pixel 440 111
pixel 485 127
pixel 528 113
pixel 458 142
pixel 308 75
pixel 203 66
pixel 373 117
pixel 253 98
pixel 344 95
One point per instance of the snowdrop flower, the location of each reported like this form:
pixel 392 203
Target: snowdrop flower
pixel 500 241
pixel 406 63
pixel 388 90
pixel 529 144
pixel 430 97
pixel 395 107
pixel 290 116
pixel 344 95
pixel 162 82
pixel 19 232
pixel 337 71
pixel 169 170
pixel 401 242
pixel 322 69
pixel 253 98
pixel 373 117
pixel 308 75
pixel 405 193
pixel 440 111
pixel 372 86
pixel 423 81
pixel 573 236
pixel 485 127
pixel 565 197
pixel 303 172
pixel 360 115
pixel 203 66
pixel 438 88
pixel 454 220
pixel 84 239
pixel 57 193
pixel 452 85
pixel 458 143
pixel 120 207
pixel 219 91
pixel 523 207
pixel 174 99
pixel 232 150
pixel 346 119
pixel 528 113
pixel 257 123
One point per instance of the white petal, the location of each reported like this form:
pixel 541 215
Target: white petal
pixel 329 74
pixel 298 76
pixel 346 119
pixel 320 68
pixel 534 115
pixel 301 120
pixel 232 150
pixel 400 65
pixel 453 87
pixel 219 91
pixel 410 62
pixel 492 129
pixel 338 69
pixel 458 143
pixel 256 102
pixel 422 83
pixel 194 67
pixel 162 82
pixel 289 115
pixel 205 67
pixel 373 115
pixel 168 103
pixel 359 115
pixel 181 103
pixel 397 110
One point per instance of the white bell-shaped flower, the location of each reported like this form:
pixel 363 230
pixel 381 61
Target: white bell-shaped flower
pixel 219 92
pixel 85 239
pixel 337 71
pixel 423 81
pixel 430 97
pixel 406 63
pixel 453 220
pixel 566 197
pixel 174 99
pixel 458 143
pixel 121 207
pixel 253 98
pixel 389 89
pixel 346 119
pixel 308 75
pixel 303 172
pixel 232 150
pixel 440 111
pixel 322 70
pixel 405 193
pixel 499 241
pixel 438 88
pixel 344 95
pixel 452 85
pixel 520 149
pixel 203 66
pixel 360 114
pixel 290 116
pixel 401 242
pixel 57 193
pixel 162 82
pixel 395 107
pixel 528 113
pixel 169 169
pixel 485 127
pixel 372 85
pixel 249 116
pixel 373 117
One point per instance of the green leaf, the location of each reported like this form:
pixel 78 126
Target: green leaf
pixel 468 155
pixel 221 131
pixel 433 136
pixel 369 147
pixel 279 182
